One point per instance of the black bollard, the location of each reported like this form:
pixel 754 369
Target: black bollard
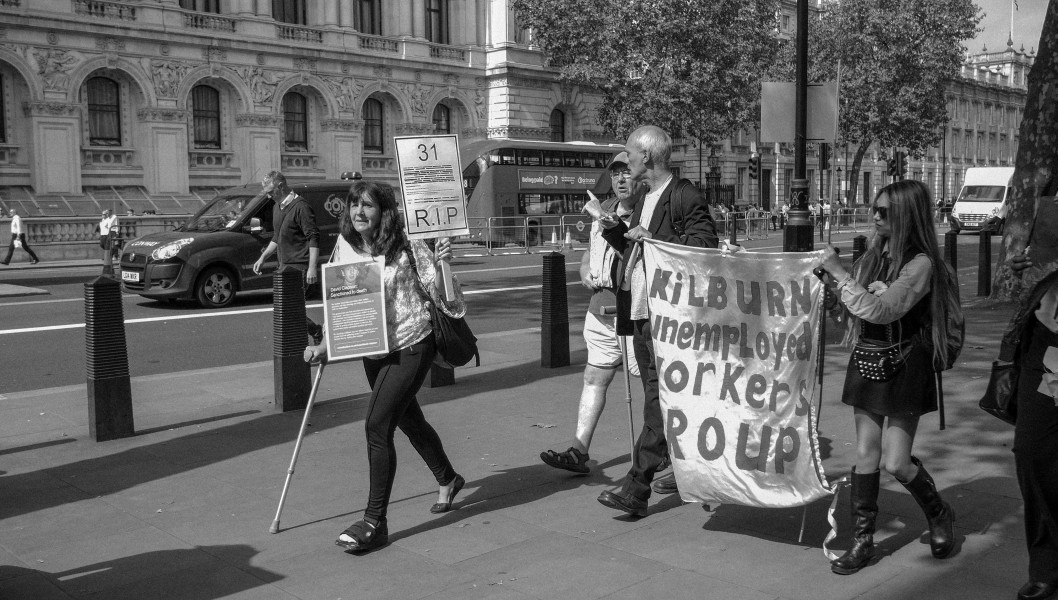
pixel 554 313
pixel 290 372
pixel 859 246
pixel 441 375
pixel 951 249
pixel 984 264
pixel 107 361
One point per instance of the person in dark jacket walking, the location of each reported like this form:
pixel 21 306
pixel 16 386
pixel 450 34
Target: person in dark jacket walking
pixel 295 237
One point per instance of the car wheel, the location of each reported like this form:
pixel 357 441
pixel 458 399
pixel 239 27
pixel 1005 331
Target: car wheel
pixel 215 288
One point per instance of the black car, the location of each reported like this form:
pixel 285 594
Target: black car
pixel 211 257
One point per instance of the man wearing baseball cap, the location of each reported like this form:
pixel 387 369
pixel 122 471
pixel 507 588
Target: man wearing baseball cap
pixel 599 267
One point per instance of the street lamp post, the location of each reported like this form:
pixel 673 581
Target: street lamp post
pixel 797 237
pixel 713 177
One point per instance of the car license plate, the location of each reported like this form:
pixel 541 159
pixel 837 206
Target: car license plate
pixel 130 276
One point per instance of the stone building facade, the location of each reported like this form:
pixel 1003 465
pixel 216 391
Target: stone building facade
pixel 175 98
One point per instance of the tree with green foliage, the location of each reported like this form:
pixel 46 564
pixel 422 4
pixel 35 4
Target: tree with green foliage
pixel 690 67
pixel 897 58
pixel 1035 167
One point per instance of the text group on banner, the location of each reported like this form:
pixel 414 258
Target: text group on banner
pixel 736 338
pixel 354 305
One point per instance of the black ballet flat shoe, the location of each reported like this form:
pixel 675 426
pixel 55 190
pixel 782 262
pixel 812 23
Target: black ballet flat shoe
pixel 365 537
pixel 1037 590
pixel 443 507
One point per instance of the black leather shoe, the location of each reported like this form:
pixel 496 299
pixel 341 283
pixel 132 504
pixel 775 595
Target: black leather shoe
pixel 666 484
pixel 1036 590
pixel 624 501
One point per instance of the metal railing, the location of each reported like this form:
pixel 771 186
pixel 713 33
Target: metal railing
pixel 526 234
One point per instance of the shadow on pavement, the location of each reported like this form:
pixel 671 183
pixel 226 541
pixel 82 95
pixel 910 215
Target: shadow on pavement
pixel 186 573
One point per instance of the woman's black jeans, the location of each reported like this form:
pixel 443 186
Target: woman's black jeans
pixel 395 379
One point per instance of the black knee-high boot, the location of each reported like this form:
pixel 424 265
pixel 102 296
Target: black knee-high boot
pixel 864 503
pixel 939 514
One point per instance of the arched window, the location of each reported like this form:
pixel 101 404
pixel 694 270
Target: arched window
pixel 369 16
pixel 441 119
pixel 295 119
pixel 209 6
pixel 437 21
pixel 104 112
pixel 558 126
pixel 289 11
pixel 205 112
pixel 373 126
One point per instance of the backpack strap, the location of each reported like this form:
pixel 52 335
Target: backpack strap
pixel 676 216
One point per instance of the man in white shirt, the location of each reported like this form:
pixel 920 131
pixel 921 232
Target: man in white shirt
pixel 18 238
pixel 672 211
pixel 108 230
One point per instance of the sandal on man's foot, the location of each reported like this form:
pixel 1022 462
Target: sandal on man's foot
pixel 570 460
pixel 363 537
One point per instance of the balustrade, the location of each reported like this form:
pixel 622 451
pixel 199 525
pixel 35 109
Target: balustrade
pixel 8 154
pixel 299 34
pixel 107 157
pixel 102 9
pixel 295 161
pixel 378 163
pixel 210 159
pixel 378 44
pixel 448 53
pixel 206 21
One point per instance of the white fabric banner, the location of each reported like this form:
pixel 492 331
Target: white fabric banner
pixel 736 338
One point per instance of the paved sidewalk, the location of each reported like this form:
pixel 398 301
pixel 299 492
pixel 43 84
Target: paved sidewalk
pixel 182 510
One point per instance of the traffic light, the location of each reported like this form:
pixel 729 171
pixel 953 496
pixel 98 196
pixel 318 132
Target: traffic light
pixel 824 157
pixel 754 165
pixel 892 167
pixel 901 164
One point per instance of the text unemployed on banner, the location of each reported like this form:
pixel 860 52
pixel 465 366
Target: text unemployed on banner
pixel 736 339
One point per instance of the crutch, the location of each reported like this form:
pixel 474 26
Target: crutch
pixel 297 446
pixel 623 342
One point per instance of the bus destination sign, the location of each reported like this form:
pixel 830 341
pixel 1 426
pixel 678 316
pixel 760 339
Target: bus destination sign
pixel 536 179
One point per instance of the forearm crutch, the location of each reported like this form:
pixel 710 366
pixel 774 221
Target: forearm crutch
pixel 297 446
pixel 623 342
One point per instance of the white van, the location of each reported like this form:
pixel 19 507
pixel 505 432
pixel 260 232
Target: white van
pixel 984 194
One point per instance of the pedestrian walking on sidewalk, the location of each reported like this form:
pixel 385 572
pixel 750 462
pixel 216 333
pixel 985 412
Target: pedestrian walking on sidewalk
pixel 296 238
pixel 673 210
pixel 108 231
pixel 599 267
pixel 18 239
pixel 371 227
pixel 1032 343
pixel 899 294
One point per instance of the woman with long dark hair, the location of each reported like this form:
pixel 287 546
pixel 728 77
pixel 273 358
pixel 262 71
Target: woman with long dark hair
pixel 371 227
pixel 899 293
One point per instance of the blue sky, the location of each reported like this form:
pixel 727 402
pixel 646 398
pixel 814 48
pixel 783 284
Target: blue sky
pixel 1028 22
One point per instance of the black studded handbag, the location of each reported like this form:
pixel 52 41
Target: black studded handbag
pixel 881 360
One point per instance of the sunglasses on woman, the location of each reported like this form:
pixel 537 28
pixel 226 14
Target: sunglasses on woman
pixel 881 211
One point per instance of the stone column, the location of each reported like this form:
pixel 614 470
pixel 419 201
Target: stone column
pixel 418 18
pixel 341 146
pixel 55 145
pixel 330 14
pixel 345 14
pixel 244 7
pixel 258 144
pixel 264 8
pixel 163 142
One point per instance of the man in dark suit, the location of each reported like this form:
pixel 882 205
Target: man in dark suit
pixel 673 211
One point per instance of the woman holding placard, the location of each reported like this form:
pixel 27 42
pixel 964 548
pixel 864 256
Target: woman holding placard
pixel 899 294
pixel 371 227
